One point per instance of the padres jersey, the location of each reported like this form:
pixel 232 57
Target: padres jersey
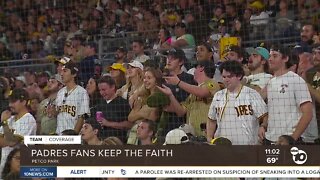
pixel 285 95
pixel 237 115
pixel 198 108
pixel 70 106
pixel 25 126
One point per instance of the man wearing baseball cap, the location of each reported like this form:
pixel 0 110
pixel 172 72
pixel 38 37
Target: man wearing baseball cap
pixel 184 40
pixel 60 63
pixel 290 108
pixel 121 55
pixel 90 66
pixel 196 106
pixel 47 123
pixel 176 77
pixel 16 123
pixel 72 101
pixel 234 53
pixel 258 66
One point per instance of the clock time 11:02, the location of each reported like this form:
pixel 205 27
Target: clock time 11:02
pixel 272 151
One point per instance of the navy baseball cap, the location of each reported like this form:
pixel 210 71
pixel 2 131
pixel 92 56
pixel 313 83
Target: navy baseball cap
pixel 281 49
pixel 177 53
pixel 72 66
pixel 18 94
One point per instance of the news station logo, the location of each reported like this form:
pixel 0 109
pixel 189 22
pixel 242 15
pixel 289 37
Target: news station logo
pixel 298 156
pixel 123 172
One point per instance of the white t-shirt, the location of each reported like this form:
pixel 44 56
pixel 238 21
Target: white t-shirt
pixel 237 115
pixel 260 19
pixel 76 104
pixel 217 74
pixel 285 95
pixel 25 126
pixel 143 58
pixel 260 79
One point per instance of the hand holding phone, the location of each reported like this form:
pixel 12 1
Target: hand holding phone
pixel 99 116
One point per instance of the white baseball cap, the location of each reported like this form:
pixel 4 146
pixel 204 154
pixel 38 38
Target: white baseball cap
pixel 176 136
pixel 188 129
pixel 58 78
pixel 136 64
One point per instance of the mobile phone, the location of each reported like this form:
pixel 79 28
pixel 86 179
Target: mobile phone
pixel 99 116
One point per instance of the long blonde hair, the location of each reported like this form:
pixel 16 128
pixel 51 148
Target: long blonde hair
pixel 157 73
pixel 128 84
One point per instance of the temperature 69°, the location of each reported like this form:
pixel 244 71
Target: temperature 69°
pixel 272 160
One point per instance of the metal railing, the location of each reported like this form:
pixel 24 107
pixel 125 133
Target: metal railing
pixel 21 65
pixel 107 46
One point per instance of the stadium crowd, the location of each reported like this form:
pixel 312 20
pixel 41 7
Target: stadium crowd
pixel 214 83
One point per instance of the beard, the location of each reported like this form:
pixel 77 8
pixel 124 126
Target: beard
pixel 253 67
pixel 53 90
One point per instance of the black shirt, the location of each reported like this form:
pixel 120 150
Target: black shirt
pixel 181 95
pixel 116 111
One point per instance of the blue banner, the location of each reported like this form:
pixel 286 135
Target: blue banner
pixel 43 172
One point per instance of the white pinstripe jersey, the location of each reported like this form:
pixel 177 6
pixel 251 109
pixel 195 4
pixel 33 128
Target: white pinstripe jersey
pixel 237 115
pixel 24 126
pixel 71 107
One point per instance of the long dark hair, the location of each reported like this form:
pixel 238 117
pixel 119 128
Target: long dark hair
pixel 96 93
pixel 157 73
pixel 7 165
pixel 96 97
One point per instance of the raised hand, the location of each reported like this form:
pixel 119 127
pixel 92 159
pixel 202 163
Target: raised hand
pixel 173 80
pixel 5 115
pixel 165 90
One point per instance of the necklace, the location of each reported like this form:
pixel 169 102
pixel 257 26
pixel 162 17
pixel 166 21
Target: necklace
pixel 227 100
pixel 68 93
pixel 19 117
